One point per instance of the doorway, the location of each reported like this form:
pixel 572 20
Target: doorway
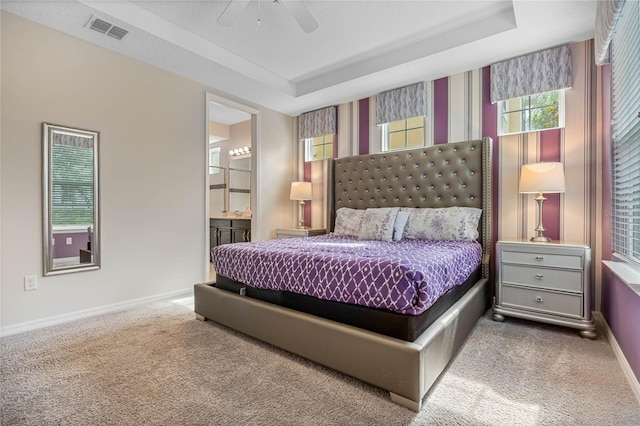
pixel 231 204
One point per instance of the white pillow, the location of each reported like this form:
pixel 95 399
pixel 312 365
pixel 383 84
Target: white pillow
pixel 445 224
pixel 377 224
pixel 399 225
pixel 348 221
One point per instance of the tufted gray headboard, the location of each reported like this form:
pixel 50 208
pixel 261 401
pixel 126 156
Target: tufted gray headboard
pixel 447 175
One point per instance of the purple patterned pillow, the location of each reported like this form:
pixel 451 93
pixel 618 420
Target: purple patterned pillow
pixel 348 221
pixel 444 224
pixel 377 224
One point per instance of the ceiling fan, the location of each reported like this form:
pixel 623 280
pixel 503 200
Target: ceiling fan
pixel 298 10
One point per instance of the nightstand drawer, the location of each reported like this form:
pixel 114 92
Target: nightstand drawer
pixel 556 279
pixel 542 301
pixel 542 259
pixel 547 282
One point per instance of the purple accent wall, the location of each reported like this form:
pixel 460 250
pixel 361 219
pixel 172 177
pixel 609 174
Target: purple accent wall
pixel 441 110
pixel 620 306
pixel 363 126
pixel 550 142
pixel 61 249
pixel 490 129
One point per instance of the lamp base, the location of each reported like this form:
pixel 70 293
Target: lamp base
pixel 301 224
pixel 540 239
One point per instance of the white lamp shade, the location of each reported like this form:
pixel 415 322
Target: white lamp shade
pixel 300 191
pixel 542 177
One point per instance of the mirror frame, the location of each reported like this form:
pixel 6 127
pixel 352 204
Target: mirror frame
pixel 47 132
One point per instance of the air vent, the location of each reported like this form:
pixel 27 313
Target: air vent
pixel 117 33
pixel 104 27
pixel 100 26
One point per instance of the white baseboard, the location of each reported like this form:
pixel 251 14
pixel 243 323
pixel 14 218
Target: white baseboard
pixel 626 368
pixel 86 313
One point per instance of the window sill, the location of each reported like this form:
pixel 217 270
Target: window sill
pixel 628 274
pixel 70 229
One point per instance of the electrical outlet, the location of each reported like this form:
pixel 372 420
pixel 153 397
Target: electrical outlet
pixel 69 241
pixel 30 282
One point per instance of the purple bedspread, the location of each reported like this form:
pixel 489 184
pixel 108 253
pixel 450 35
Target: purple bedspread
pixel 405 276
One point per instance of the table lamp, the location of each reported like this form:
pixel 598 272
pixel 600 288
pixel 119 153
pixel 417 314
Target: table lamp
pixel 537 178
pixel 300 191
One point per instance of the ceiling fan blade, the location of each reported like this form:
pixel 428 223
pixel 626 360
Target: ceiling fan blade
pixel 301 14
pixel 232 12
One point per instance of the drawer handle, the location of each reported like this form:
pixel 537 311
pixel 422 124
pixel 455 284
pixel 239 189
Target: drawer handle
pixel 539 277
pixel 539 299
pixel 539 258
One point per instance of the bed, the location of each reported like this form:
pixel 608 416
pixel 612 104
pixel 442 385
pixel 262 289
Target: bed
pixel 405 364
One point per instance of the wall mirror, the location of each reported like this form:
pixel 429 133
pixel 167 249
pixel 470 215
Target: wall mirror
pixel 239 186
pixel 70 199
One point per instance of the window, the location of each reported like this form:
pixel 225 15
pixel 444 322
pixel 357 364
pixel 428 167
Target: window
pixel 531 113
pixel 319 148
pixel 71 185
pixel 402 134
pixel 214 161
pixel 625 112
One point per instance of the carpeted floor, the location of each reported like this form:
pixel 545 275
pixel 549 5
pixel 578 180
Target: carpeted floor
pixel 157 365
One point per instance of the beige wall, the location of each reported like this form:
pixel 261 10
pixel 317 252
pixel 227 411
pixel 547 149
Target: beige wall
pixel 274 174
pixel 218 130
pixel 153 139
pixel 240 135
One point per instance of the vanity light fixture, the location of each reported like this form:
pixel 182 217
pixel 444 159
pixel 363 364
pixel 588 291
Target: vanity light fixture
pixel 240 151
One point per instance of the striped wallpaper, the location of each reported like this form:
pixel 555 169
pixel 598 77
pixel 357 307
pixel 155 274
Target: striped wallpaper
pixel 461 110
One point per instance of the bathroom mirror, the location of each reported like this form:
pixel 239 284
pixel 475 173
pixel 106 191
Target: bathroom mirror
pixel 217 191
pixel 239 186
pixel 71 207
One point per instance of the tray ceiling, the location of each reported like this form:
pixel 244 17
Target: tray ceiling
pixel 360 48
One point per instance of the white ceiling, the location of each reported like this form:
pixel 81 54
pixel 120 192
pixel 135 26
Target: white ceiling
pixel 226 115
pixel 360 48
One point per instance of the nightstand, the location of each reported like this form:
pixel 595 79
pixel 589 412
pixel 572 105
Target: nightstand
pixel 298 232
pixel 547 282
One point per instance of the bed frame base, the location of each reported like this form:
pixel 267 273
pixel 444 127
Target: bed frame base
pixel 406 402
pixel 405 369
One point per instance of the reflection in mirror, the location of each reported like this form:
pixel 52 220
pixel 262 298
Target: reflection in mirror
pixel 70 200
pixel 240 187
pixel 217 191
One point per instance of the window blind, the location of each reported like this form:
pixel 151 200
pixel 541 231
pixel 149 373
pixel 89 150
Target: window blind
pixel 625 112
pixel 71 180
pixel 607 13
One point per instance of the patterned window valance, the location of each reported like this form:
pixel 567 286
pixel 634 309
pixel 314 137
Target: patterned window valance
pixel 399 104
pixel 317 123
pixel 531 74
pixel 606 17
pixel 71 140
